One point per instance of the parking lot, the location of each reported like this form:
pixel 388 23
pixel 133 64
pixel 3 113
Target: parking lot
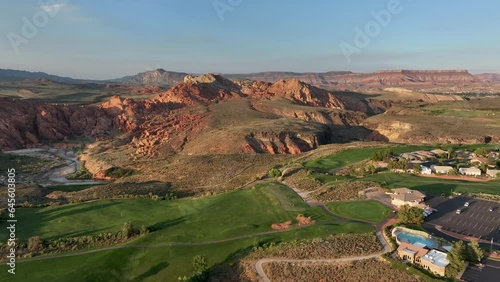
pixel 475 220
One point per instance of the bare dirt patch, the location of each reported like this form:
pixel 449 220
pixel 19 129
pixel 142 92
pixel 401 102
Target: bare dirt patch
pixel 364 270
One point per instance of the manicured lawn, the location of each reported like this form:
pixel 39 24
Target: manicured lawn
pixel 435 186
pixel 156 264
pixel 222 216
pixel 287 198
pixel 371 211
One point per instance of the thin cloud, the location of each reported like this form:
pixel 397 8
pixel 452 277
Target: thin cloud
pixel 76 19
pixel 71 12
pixel 54 8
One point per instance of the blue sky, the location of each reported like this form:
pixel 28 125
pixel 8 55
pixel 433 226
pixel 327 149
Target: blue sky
pixel 112 38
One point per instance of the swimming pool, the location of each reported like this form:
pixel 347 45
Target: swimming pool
pixel 412 239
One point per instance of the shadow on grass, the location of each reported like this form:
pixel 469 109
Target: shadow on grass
pixel 168 223
pixel 74 210
pixel 151 272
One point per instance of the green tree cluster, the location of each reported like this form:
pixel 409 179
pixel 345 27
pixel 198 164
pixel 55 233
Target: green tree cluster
pixel 481 152
pixel 274 172
pixel 411 215
pixel 384 155
pixel 456 257
pixel 474 252
pixel 401 164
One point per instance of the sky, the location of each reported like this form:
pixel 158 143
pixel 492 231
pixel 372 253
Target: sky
pixel 103 39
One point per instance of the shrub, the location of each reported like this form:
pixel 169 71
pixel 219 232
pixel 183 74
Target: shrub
pixel 83 173
pixel 344 191
pixel 35 244
pixel 274 172
pixel 127 230
pixel 118 172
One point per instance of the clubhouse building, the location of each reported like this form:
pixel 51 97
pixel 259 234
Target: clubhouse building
pixel 430 259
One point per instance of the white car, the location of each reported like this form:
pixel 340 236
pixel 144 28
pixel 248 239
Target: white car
pixel 466 204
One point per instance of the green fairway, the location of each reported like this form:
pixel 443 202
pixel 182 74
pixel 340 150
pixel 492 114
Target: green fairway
pixel 287 198
pixel 156 264
pixel 435 186
pixel 217 217
pixel 371 211
pixel 222 218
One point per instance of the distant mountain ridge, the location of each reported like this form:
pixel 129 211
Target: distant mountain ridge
pixel 495 77
pixel 331 79
pixel 18 75
pixel 340 79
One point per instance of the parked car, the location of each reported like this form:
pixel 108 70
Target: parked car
pixel 466 204
pixel 490 209
pixel 458 212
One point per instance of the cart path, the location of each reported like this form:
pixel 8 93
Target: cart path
pixel 187 244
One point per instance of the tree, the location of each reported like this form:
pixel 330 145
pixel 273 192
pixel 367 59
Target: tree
pixel 200 263
pixel 144 230
pixel 371 169
pixel 483 167
pixel 450 152
pixel 35 243
pixel 417 169
pixel 383 155
pixel 274 172
pixel 481 152
pixel 456 257
pixel 474 252
pixel 411 215
pixel 402 165
pixel 127 230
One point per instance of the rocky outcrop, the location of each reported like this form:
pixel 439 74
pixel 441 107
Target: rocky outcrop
pixel 205 89
pixel 24 124
pixel 169 122
pixel 282 142
pixel 159 77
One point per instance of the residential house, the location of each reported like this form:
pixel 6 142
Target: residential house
pixel 463 154
pixel 471 171
pixel 478 160
pixel 410 168
pixel 441 169
pixel 433 260
pixel 439 152
pixel 418 156
pixel 493 172
pixel 425 169
pixel 404 196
